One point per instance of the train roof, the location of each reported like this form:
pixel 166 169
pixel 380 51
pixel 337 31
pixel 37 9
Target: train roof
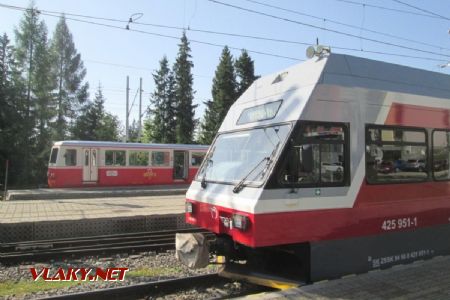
pixel 102 144
pixel 295 85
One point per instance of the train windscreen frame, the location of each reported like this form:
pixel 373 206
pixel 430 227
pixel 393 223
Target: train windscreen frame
pixel 244 154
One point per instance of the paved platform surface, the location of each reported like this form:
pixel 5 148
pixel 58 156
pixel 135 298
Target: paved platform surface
pixel 428 280
pixel 76 209
pixel 66 218
pixel 96 192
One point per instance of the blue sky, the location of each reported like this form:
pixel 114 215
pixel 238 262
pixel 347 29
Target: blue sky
pixel 106 51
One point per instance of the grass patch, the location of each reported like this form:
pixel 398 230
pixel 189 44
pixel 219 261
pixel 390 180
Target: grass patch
pixel 21 287
pixel 151 272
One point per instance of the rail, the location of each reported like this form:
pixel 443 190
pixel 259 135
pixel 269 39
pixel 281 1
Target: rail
pixel 146 290
pixel 74 247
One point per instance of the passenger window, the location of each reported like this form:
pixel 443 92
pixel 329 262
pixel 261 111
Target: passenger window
pixel 160 158
pixel 395 154
pixel 115 158
pixel 54 155
pixel 71 157
pixel 197 158
pixel 317 156
pixel 441 155
pixel 138 158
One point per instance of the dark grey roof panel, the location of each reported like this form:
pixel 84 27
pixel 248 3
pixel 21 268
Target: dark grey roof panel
pixel 359 72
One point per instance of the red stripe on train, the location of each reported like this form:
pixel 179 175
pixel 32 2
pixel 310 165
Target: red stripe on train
pixel 418 116
pixel 271 229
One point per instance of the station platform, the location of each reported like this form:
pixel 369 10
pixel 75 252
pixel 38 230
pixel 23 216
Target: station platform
pixel 96 192
pixel 429 279
pixel 64 218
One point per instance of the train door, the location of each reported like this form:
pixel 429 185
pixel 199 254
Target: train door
pixel 180 164
pixel 90 165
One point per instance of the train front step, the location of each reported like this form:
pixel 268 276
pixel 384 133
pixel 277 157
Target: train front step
pixel 244 273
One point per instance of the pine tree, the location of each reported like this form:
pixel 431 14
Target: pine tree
pixel 209 125
pixel 71 92
pixel 33 61
pixel 245 71
pixel 224 93
pixel 161 123
pixel 12 143
pixel 184 93
pixel 94 123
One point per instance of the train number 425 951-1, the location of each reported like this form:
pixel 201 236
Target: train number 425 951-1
pixel 401 223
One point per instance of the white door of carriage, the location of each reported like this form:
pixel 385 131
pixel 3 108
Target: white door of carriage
pixel 90 165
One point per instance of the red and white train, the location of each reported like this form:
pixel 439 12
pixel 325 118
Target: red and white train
pixel 337 165
pixel 90 163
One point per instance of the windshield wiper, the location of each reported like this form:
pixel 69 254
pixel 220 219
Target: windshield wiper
pixel 241 184
pixel 208 162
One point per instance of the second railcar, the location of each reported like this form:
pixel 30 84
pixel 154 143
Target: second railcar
pixel 89 163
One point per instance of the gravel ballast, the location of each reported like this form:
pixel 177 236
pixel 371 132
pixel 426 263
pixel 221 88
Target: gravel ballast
pixel 143 267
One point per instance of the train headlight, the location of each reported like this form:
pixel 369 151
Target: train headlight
pixel 241 222
pixel 189 207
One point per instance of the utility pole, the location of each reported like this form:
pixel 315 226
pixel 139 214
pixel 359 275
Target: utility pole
pixel 126 111
pixel 140 110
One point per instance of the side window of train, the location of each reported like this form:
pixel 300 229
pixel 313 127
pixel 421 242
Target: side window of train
pixel 138 158
pixel 317 156
pixel 441 155
pixel 160 158
pixel 396 154
pixel 53 156
pixel 70 157
pixel 197 158
pixel 115 158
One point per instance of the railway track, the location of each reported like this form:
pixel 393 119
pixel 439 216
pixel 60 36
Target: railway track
pixel 151 290
pixel 148 289
pixel 81 246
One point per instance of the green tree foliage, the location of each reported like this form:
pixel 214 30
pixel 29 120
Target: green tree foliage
pixel 12 143
pixel 41 89
pixel 94 123
pixel 184 93
pixel 34 63
pixel 160 127
pixel 224 93
pixel 245 71
pixel 133 132
pixel 68 67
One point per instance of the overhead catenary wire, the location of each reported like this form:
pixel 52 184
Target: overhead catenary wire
pixel 422 10
pixel 388 8
pixel 325 29
pixel 345 24
pixel 45 12
pixel 159 34
pixel 234 34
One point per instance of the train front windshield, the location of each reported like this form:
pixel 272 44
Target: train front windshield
pixel 244 155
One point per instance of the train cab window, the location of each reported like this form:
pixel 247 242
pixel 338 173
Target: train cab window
pixel 395 154
pixel 138 158
pixel 53 156
pixel 317 156
pixel 441 155
pixel 115 158
pixel 197 158
pixel 160 158
pixel 70 157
